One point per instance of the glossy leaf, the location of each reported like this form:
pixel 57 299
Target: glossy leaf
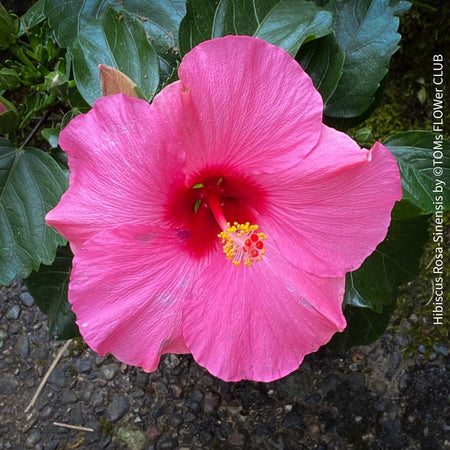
pixel 160 19
pixel 7 29
pixel 366 31
pixel 198 23
pixel 34 16
pixel 394 262
pixel 118 41
pixel 323 61
pixel 424 161
pixel 31 183
pixel 293 22
pixel 241 16
pixel 49 288
pixel 364 326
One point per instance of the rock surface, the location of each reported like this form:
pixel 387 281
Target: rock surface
pixel 370 397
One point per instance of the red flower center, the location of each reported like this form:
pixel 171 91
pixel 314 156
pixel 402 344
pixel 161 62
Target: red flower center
pixel 220 208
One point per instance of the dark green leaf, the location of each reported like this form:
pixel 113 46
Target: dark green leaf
pixel 34 16
pixel 424 161
pixel 293 22
pixel 49 288
pixel 197 25
pixel 399 7
pixel 394 262
pixel 9 117
pixel 241 16
pixel 67 17
pixel 363 327
pixel 7 29
pixel 117 41
pixel 31 184
pixel 366 31
pixel 323 61
pixel 51 135
pixel 160 18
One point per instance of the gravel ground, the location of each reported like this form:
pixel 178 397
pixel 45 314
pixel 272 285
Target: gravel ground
pixel 371 397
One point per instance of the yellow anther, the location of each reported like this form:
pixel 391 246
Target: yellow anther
pixel 242 244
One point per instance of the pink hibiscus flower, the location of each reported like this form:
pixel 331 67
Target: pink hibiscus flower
pixel 220 220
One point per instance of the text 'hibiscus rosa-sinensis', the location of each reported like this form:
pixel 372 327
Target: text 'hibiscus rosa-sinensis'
pixel 221 219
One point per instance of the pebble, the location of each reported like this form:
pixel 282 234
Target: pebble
pixel 195 399
pixel 118 407
pixel 33 438
pixel 23 347
pixel 83 365
pixel 134 438
pixel 169 444
pixel 212 402
pixel 109 371
pixel 292 419
pixel 440 349
pixel 13 312
pixel 236 438
pixel 27 299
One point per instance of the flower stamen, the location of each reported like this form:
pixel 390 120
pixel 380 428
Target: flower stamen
pixel 242 244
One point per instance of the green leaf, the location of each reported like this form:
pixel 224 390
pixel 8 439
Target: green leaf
pixel 424 161
pixel 197 24
pixel 366 31
pixel 9 117
pixel 34 16
pixel 394 262
pixel 363 327
pixel 49 288
pixel 323 61
pixel 241 16
pixel 7 29
pixel 51 135
pixel 160 19
pixel 293 22
pixel 117 41
pixel 31 184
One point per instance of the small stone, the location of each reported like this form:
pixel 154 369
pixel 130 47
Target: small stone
pixel 421 349
pixel 23 347
pixel 212 402
pixel 27 299
pixel 13 313
pixel 58 378
pixel 171 361
pixel 68 397
pixel 195 399
pixel 8 384
pixel 439 348
pixel 153 433
pixel 292 419
pixel 432 357
pixel 175 420
pixel 83 365
pixel 96 399
pixel 236 438
pixel 356 381
pixel 109 371
pixel 133 438
pixel 118 407
pixel 169 444
pixel 33 438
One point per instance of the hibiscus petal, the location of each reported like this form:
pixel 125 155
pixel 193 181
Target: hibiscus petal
pixel 243 104
pixel 123 161
pixel 331 211
pixel 259 322
pixel 127 286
